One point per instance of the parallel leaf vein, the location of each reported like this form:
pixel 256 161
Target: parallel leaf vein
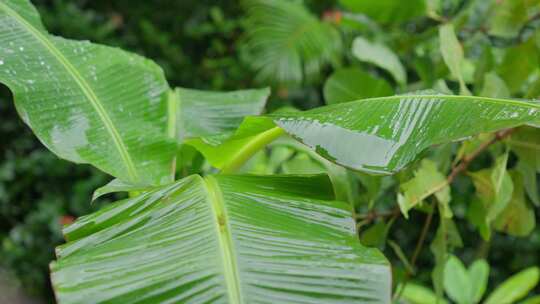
pixel 84 86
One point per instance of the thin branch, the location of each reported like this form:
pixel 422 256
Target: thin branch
pixel 466 161
pixel 458 169
pixel 422 238
pixel 416 253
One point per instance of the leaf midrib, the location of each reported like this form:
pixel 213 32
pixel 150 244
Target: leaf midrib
pixel 84 86
pixel 228 255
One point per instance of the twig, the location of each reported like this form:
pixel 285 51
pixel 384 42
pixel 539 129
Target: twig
pixel 422 238
pixel 416 253
pixel 456 170
pixel 467 159
pixel 461 167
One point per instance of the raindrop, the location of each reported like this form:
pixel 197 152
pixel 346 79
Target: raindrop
pixel 1 61
pixel 21 48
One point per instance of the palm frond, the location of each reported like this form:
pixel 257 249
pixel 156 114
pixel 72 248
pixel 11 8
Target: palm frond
pixel 286 44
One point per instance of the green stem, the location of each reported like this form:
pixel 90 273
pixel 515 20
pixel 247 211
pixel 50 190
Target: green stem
pixel 252 147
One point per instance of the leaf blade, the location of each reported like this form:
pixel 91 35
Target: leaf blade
pixel 288 246
pixel 57 93
pixel 392 131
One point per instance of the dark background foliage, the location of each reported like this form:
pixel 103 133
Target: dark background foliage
pixel 198 44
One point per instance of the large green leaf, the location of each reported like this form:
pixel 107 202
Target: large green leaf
pixel 378 135
pixel 222 239
pixel 205 113
pixel 86 102
pixel 382 135
pixel 286 43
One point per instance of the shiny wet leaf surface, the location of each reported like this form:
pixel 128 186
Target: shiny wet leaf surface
pixel 222 239
pixel 383 135
pixel 86 102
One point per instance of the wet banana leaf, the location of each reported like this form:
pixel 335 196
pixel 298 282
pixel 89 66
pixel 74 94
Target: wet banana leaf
pixel 222 239
pixel 86 102
pixel 208 114
pixel 383 135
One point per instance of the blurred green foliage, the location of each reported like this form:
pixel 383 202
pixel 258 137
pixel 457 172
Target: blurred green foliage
pixel 196 44
pixel 203 44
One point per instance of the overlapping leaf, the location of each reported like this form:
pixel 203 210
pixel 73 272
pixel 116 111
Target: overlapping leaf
pixel 207 114
pixel 382 135
pixel 222 239
pixel 87 103
pixel 377 135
